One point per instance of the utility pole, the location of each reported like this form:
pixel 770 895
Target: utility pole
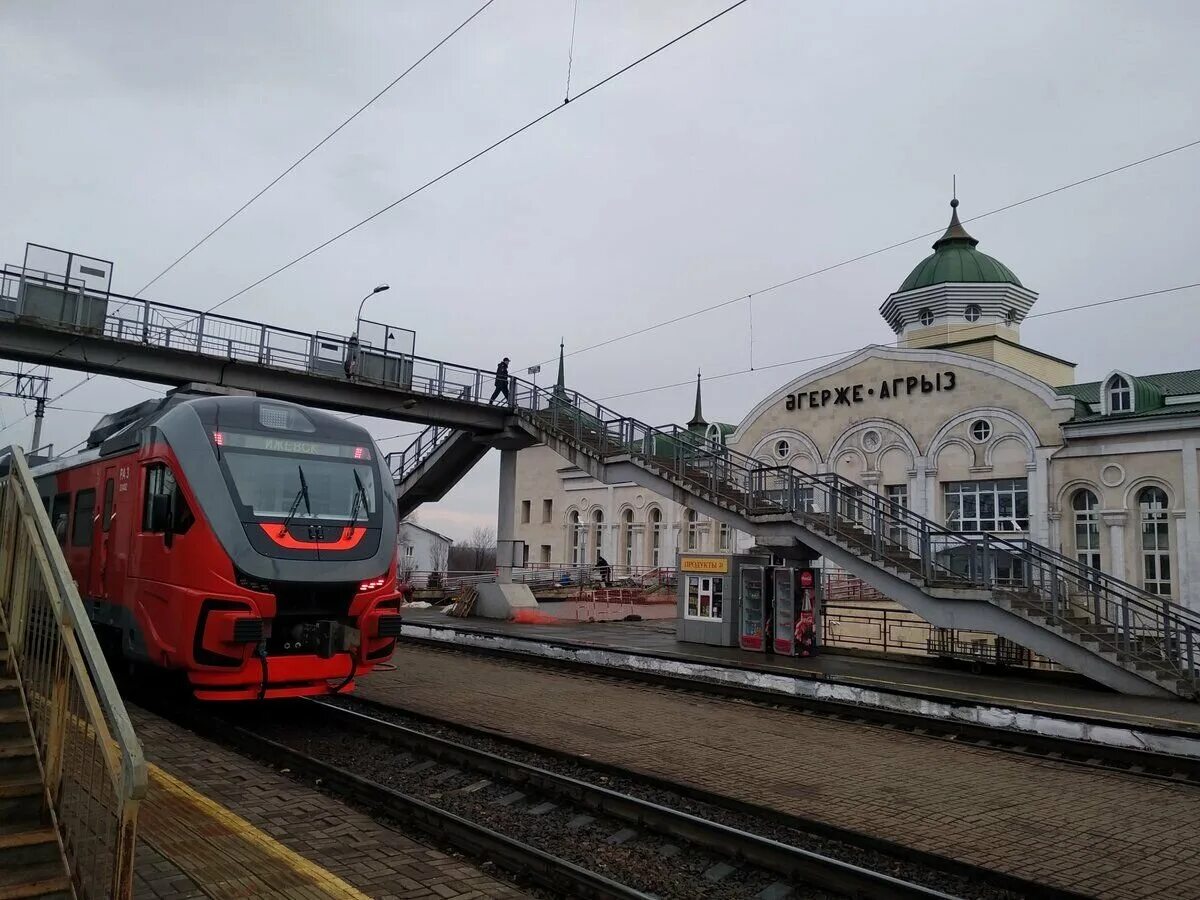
pixel 28 387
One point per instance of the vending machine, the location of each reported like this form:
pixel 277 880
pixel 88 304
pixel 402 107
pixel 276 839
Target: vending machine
pixel 779 610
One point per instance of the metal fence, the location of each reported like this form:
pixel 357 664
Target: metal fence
pixel 92 760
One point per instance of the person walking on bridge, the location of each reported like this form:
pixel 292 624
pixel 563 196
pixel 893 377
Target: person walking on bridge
pixel 502 382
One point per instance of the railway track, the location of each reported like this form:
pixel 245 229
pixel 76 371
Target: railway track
pixel 1131 760
pixel 571 836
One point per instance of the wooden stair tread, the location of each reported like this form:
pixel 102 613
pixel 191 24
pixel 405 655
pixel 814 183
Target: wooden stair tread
pixel 37 882
pixel 27 838
pixel 12 715
pixel 20 784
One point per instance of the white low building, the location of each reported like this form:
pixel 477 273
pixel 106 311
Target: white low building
pixel 421 549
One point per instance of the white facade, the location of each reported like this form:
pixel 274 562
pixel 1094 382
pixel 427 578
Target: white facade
pixel 566 517
pixel 419 549
pixel 960 423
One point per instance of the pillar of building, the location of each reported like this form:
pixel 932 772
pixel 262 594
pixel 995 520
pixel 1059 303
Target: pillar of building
pixel 1189 533
pixel 1115 520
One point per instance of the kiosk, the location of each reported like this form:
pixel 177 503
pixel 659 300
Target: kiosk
pixel 746 601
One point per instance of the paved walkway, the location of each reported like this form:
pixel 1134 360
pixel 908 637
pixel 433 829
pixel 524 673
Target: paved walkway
pixel 1101 833
pixel 215 824
pixel 891 674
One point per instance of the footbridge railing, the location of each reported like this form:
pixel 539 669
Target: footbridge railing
pixel 92 761
pixel 1145 631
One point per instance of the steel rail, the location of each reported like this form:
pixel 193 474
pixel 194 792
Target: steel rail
pixel 469 837
pixel 791 862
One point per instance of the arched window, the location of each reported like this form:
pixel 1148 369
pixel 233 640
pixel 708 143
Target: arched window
pixel 578 539
pixel 1087 528
pixel 1156 541
pixel 1120 394
pixel 627 536
pixel 598 532
pixel 693 531
pixel 655 536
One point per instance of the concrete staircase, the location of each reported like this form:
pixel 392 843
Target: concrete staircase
pixel 31 861
pixel 1099 626
pixel 433 464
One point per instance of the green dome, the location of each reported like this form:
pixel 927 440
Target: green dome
pixel 955 259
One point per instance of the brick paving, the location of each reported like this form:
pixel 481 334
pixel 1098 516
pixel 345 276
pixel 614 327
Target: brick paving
pixel 1102 833
pixel 373 859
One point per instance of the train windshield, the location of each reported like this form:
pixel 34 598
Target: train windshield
pixel 272 476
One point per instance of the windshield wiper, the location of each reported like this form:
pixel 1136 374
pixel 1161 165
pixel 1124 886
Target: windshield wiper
pixel 301 494
pixel 360 498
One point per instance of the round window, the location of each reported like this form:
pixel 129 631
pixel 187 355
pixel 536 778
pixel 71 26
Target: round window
pixel 782 449
pixel 871 440
pixel 973 312
pixel 1010 317
pixel 926 316
pixel 981 430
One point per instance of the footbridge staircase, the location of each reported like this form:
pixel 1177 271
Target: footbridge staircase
pixel 1108 630
pixel 1097 625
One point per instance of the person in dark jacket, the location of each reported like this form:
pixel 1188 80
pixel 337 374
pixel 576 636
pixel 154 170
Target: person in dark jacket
pixel 603 570
pixel 501 382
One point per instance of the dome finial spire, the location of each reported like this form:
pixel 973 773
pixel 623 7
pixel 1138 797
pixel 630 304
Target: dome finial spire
pixel 697 416
pixel 955 233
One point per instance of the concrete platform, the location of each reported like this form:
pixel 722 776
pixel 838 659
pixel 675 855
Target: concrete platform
pixel 215 824
pixel 1099 832
pixel 1008 700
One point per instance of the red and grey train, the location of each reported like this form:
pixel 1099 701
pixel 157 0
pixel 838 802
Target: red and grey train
pixel 247 543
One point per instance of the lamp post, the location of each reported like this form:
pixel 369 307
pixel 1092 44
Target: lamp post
pixel 378 289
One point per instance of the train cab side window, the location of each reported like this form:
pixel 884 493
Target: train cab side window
pixel 60 511
pixel 165 509
pixel 82 523
pixel 106 518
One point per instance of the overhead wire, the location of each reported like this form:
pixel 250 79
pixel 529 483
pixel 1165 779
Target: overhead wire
pixel 470 159
pixel 477 155
pixel 958 332
pixel 297 163
pixel 747 295
pixel 317 146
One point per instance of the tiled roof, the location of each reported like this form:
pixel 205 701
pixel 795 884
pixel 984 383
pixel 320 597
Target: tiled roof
pixel 1170 384
pixel 1181 409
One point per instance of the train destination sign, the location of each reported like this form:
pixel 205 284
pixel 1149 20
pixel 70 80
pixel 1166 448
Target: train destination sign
pixel 292 446
pixel 886 389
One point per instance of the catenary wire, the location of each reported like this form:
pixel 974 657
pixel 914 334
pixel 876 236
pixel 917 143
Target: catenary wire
pixel 957 333
pixel 470 159
pixel 317 146
pixel 859 258
pixel 530 124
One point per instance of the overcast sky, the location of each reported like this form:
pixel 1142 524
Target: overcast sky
pixel 783 138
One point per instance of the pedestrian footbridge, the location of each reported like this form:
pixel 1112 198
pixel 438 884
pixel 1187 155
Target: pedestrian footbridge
pixel 1106 629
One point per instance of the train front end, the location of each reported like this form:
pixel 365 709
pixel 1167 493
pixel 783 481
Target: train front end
pixel 300 595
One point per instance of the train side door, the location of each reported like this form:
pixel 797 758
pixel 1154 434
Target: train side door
pixel 123 524
pixel 102 536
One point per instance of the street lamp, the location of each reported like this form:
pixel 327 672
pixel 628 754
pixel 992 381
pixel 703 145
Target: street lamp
pixel 379 289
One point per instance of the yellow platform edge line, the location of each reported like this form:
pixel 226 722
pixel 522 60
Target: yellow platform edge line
pixel 323 879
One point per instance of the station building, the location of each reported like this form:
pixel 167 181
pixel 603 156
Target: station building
pixel 959 421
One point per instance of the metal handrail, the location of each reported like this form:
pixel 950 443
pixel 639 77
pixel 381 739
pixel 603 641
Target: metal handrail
pixel 91 758
pixel 1118 616
pixel 404 462
pixel 873 525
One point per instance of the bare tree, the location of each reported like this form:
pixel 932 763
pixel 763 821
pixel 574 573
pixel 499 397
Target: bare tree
pixel 482 544
pixel 441 556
